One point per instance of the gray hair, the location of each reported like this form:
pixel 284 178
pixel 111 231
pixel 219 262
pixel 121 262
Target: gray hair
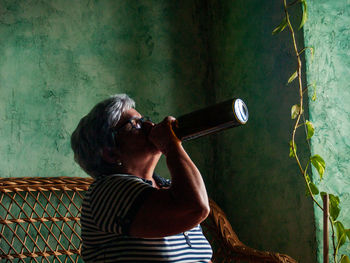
pixel 94 132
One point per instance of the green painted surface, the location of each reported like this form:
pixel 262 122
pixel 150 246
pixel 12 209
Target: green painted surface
pixel 328 31
pixel 58 58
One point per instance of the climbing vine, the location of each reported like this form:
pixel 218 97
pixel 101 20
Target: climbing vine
pixel 340 235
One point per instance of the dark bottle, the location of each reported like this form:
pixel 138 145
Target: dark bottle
pixel 224 115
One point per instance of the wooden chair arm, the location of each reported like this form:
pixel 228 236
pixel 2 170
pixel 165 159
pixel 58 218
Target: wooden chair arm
pixel 226 245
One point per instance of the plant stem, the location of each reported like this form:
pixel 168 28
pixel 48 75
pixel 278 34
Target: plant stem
pixel 296 125
pixel 294 2
pixel 309 189
pixel 300 85
pixel 333 241
pixel 308 141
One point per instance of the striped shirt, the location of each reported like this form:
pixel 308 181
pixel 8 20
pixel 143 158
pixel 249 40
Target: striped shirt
pixel 108 209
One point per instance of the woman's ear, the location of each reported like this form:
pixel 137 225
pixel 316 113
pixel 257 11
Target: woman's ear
pixel 110 155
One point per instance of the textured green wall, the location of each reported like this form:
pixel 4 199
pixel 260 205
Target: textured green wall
pixel 58 58
pixel 327 30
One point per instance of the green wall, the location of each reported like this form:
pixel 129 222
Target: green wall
pixel 58 58
pixel 328 32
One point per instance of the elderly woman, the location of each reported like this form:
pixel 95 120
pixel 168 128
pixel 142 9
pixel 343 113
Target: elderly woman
pixel 129 213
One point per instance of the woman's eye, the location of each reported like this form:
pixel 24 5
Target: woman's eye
pixel 138 125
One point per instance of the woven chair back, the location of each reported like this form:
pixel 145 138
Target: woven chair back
pixel 40 219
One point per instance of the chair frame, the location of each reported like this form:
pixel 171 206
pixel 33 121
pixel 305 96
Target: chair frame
pixel 40 222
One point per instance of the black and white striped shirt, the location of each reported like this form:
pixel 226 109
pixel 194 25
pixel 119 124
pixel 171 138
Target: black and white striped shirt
pixel 108 209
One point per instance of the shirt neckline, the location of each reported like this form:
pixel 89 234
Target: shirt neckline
pixel 160 181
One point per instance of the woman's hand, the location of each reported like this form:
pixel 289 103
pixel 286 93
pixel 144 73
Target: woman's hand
pixel 163 136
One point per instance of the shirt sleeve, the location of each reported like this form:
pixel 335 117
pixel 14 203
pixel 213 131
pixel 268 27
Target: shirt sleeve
pixel 116 200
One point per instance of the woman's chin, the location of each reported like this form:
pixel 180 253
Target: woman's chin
pixel 156 151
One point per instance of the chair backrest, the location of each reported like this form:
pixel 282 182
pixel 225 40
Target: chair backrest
pixel 40 219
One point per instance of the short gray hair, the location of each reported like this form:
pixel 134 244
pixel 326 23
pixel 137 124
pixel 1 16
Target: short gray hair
pixel 94 132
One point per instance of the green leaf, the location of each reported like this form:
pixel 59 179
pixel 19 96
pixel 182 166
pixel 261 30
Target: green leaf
pixel 304 18
pixel 293 77
pixel 341 234
pixel 295 111
pixel 344 259
pixel 319 164
pixel 314 93
pixel 291 152
pixel 334 208
pixel 347 231
pixel 280 27
pixel 310 129
pixel 307 178
pixel 313 187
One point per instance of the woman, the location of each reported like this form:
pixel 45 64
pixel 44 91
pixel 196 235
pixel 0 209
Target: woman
pixel 130 214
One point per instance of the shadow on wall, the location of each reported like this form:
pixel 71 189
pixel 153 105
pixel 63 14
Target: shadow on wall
pixel 256 183
pixel 163 62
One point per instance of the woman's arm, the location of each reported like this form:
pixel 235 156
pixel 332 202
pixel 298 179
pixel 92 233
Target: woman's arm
pixel 182 206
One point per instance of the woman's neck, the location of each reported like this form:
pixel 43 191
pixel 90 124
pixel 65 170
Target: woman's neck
pixel 143 169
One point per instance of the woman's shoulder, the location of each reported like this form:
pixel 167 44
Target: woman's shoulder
pixel 115 177
pixel 114 180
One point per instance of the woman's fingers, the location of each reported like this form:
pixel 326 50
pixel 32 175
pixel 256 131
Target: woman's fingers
pixel 162 135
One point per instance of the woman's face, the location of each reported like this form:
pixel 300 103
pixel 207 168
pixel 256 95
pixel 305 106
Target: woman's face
pixel 132 135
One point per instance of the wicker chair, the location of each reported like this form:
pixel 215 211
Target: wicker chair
pixel 39 222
